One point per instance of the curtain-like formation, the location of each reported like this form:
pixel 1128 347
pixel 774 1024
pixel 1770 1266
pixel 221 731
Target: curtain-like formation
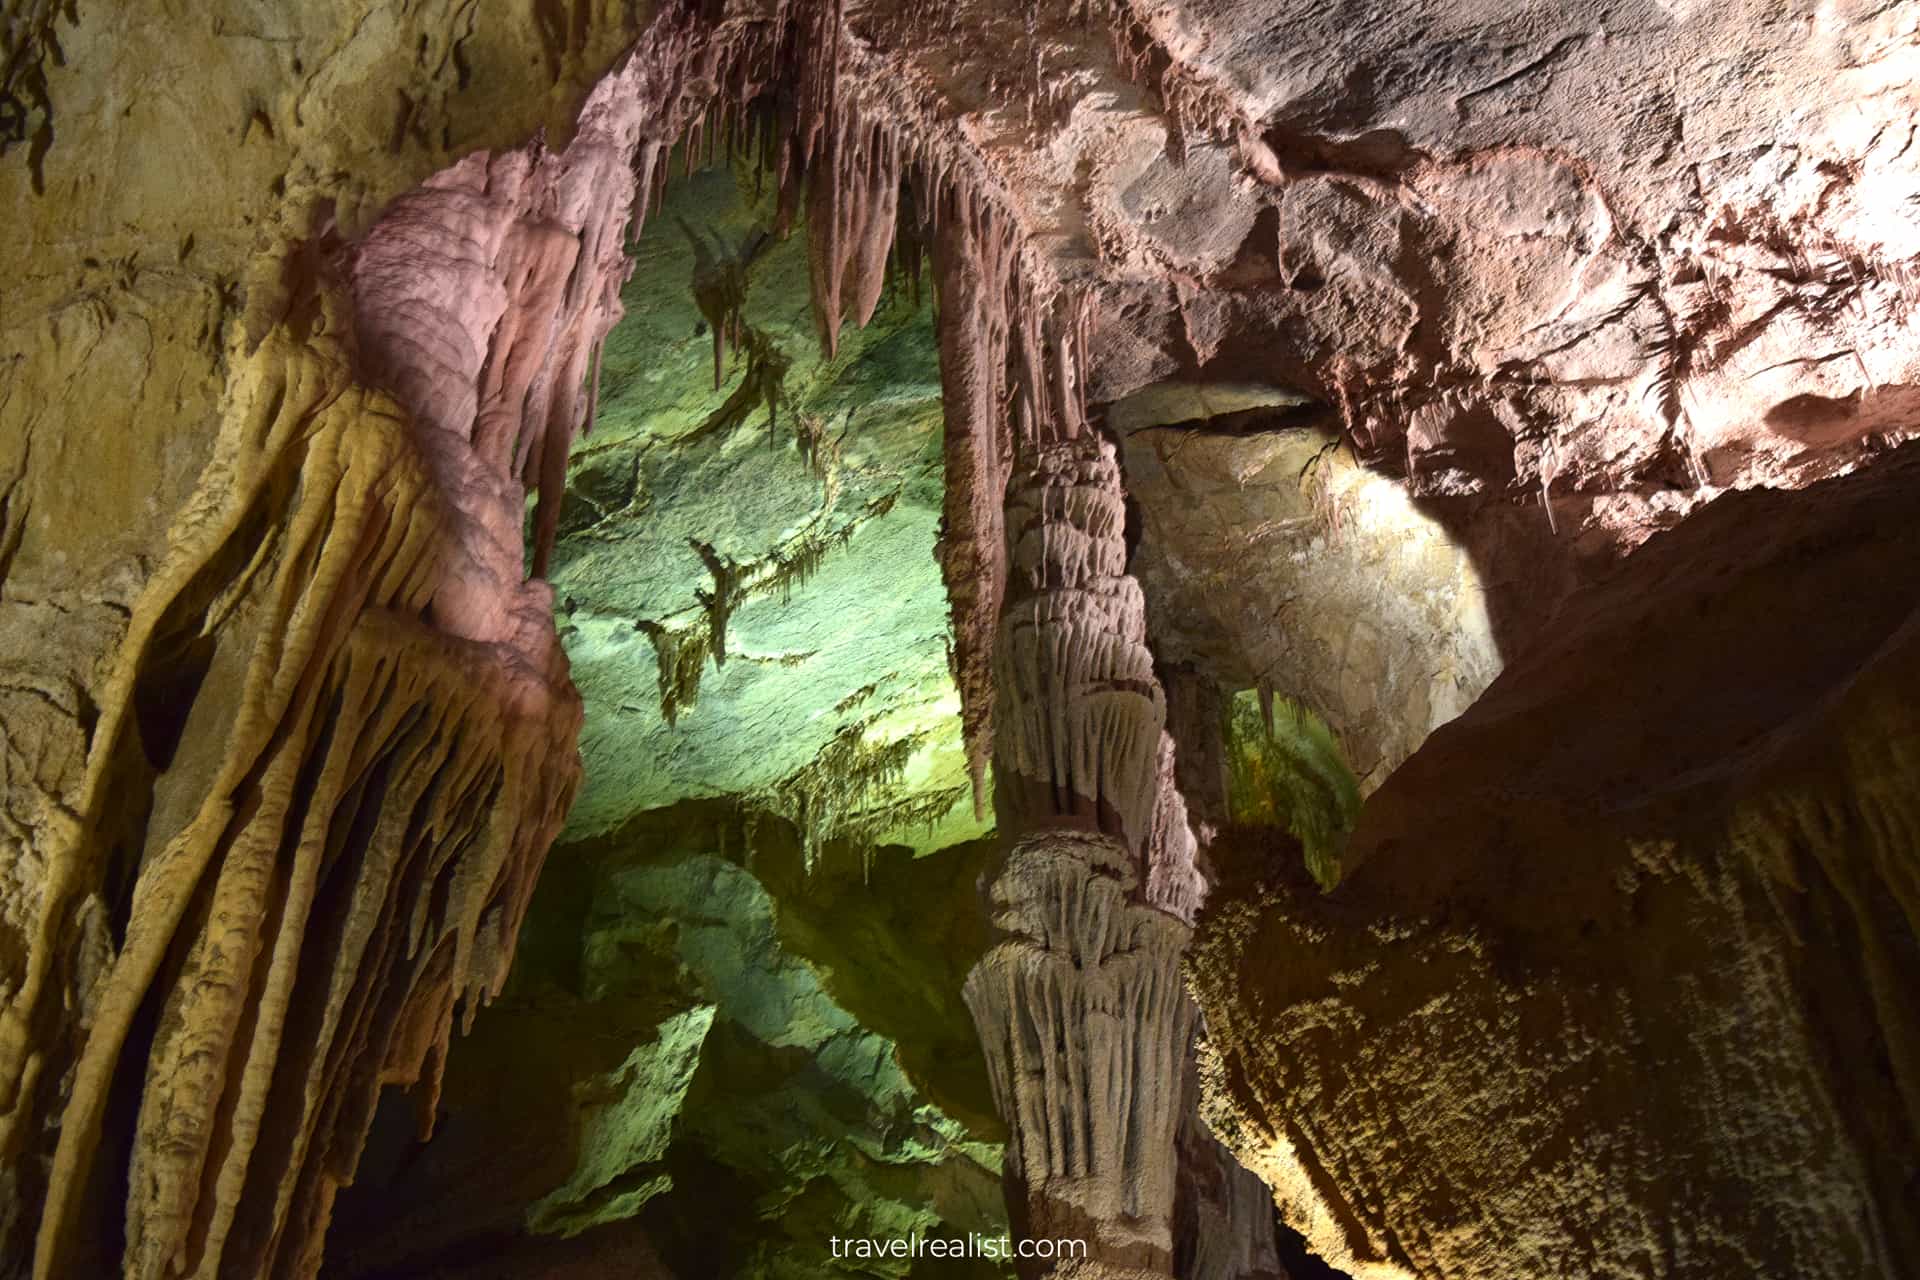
pixel 346 806
pixel 339 737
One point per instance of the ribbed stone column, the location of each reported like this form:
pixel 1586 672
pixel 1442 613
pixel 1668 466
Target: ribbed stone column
pixel 1080 1008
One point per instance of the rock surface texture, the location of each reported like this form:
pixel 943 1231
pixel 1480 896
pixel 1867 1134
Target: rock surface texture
pixel 1589 334
pixel 1657 976
pixel 1081 1011
pixel 286 780
pixel 716 545
pixel 698 1020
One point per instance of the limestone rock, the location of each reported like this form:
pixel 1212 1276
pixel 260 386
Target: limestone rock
pixel 1628 997
pixel 1610 310
pixel 745 576
pixel 1273 561
pixel 628 1120
pixel 750 1082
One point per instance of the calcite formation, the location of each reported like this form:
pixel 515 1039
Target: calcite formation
pixel 346 802
pixel 1081 1010
pixel 329 750
pixel 1617 972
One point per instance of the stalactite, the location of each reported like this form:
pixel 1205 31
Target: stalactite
pixel 819 449
pixel 852 161
pixel 1002 342
pixel 1007 330
pixel 971 262
pixel 351 866
pixel 720 602
pixel 682 658
pixel 833 797
pixel 720 291
pixel 377 746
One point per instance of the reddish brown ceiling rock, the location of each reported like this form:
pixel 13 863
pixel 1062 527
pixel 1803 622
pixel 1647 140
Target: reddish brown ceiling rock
pixel 1605 263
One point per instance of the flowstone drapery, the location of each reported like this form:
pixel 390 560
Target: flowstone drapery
pixel 338 737
pixel 341 837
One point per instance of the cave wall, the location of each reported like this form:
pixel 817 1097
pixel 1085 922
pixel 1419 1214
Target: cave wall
pixel 720 1057
pixel 305 306
pixel 724 520
pixel 1638 1000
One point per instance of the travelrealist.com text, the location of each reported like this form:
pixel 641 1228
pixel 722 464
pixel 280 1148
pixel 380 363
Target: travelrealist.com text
pixel 1003 1248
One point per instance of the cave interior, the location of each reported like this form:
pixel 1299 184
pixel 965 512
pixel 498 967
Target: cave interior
pixel 798 639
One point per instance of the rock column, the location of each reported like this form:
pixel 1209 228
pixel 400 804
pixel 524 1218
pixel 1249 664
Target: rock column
pixel 1080 1008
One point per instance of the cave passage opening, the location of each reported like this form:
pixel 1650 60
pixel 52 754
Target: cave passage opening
pixel 739 982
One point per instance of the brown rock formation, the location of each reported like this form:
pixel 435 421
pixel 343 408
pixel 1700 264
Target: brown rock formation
pixel 299 809
pixel 1081 1011
pixel 1223 1213
pixel 335 846
pixel 302 305
pixel 1633 998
